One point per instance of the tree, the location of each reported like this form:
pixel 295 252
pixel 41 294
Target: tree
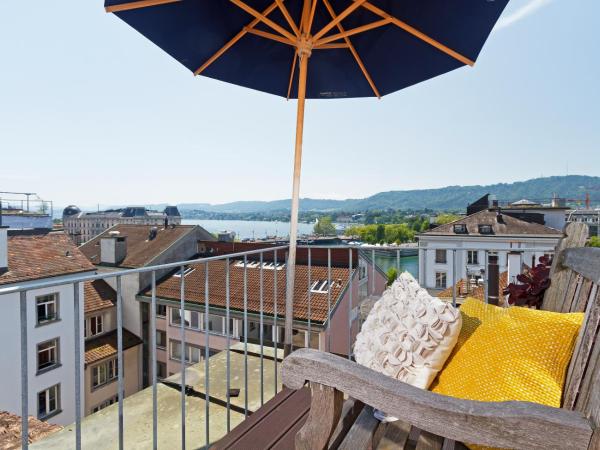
pixel 594 241
pixel 380 233
pixel 324 227
pixel 446 218
pixel 392 274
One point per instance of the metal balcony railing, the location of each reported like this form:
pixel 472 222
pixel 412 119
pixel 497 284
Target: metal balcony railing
pixel 382 257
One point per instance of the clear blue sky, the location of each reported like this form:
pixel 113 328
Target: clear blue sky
pixel 91 112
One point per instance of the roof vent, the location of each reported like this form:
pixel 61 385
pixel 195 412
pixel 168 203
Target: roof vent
pixel 153 233
pixel 499 217
pixel 114 233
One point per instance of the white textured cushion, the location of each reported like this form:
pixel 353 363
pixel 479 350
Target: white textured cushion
pixel 408 334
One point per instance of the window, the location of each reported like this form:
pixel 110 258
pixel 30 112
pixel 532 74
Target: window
pixel 186 272
pixel 460 228
pixel 440 256
pixel 106 403
pixel 192 352
pixel 322 286
pixel 104 373
pixel 161 339
pixel 440 280
pixel 486 229
pixel 49 402
pixel 191 318
pixel 94 325
pixel 161 310
pixel 47 354
pixel 161 370
pixel 47 308
pixel 362 270
pixel 472 257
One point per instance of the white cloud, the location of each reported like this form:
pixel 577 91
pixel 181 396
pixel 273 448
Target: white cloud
pixel 531 7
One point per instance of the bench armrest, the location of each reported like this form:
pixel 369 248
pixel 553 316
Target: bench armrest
pixel 498 424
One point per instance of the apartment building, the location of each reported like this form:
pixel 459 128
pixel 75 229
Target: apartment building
pixel 332 301
pixel 137 246
pixel 463 245
pixel 83 226
pixel 100 333
pixel 25 259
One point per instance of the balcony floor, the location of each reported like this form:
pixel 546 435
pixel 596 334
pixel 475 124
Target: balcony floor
pixel 100 430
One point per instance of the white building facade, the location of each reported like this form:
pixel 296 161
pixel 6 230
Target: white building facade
pixel 459 250
pixel 49 327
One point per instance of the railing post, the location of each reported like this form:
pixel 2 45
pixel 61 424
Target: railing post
pixel 183 353
pixel 77 330
pixel 206 356
pixel 153 363
pixel 350 310
pixel 120 360
pixel 329 299
pixel 24 372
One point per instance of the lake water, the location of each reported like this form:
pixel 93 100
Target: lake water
pixel 250 229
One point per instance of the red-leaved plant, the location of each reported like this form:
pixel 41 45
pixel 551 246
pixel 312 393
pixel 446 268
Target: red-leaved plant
pixel 532 285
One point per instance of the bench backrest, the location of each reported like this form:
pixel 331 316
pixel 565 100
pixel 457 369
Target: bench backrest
pixel 575 276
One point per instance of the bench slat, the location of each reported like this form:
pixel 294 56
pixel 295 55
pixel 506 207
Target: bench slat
pixel 576 235
pixel 395 436
pixel 365 433
pixel 429 441
pixel 350 412
pixel 583 348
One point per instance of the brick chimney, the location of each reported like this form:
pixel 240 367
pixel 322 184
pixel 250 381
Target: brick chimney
pixel 3 249
pixel 113 249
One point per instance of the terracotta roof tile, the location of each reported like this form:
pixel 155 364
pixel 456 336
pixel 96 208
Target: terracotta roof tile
pixel 169 288
pixel 105 346
pixel 32 257
pixel 98 295
pixel 10 430
pixel 506 226
pixel 140 250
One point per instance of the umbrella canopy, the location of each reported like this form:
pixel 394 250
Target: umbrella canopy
pixel 389 44
pixel 357 48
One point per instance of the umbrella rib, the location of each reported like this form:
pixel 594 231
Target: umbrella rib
pixel 406 27
pixel 232 41
pixel 292 75
pixel 288 17
pixel 313 8
pixel 136 5
pixel 267 35
pixel 264 19
pixel 339 18
pixel 332 46
pixel 353 50
pixel 353 31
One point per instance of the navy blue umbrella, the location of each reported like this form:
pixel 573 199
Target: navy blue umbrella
pixel 356 48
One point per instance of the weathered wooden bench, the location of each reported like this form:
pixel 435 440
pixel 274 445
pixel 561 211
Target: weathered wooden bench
pixel 433 421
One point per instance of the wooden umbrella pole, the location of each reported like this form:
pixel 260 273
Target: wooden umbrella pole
pixel 303 55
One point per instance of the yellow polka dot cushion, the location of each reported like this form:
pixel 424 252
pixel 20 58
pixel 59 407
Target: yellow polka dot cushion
pixel 514 353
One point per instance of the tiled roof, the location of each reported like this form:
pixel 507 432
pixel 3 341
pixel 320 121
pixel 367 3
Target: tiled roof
pixel 169 288
pixel 98 295
pixel 477 292
pixel 505 226
pixel 140 250
pixel 32 257
pixel 10 430
pixel 105 346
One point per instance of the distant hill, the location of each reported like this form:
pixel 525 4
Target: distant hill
pixel 572 187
